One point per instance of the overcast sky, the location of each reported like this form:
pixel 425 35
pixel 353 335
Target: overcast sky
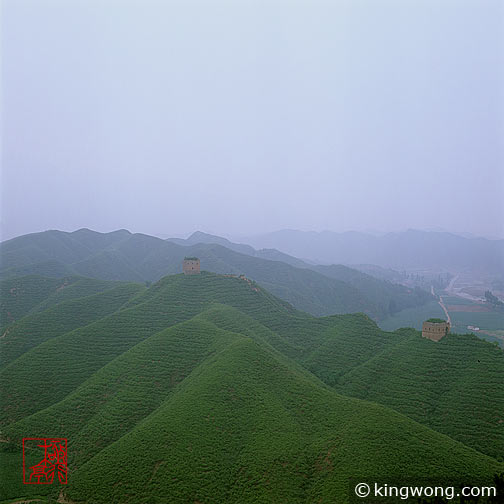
pixel 244 117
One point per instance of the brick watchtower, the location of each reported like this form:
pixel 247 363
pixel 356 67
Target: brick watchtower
pixel 435 329
pixel 191 266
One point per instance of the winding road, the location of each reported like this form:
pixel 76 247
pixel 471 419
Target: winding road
pixel 440 301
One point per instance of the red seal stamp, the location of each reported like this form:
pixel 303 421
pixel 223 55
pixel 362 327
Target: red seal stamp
pixel 54 461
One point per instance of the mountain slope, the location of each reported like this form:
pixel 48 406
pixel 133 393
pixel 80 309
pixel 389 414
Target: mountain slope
pixel 137 257
pixel 56 245
pixel 203 388
pixel 440 385
pixel 387 298
pixel 269 254
pixel 245 428
pixel 22 295
pixel 63 317
pixel 84 350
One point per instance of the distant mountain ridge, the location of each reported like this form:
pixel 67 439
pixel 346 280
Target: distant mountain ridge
pixel 409 250
pixel 269 254
pixel 378 289
pixel 141 258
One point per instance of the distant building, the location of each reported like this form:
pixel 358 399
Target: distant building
pixel 435 329
pixel 191 266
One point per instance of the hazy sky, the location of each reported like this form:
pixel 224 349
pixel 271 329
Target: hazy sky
pixel 241 117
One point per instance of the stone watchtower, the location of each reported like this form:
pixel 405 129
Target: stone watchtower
pixel 191 266
pixel 435 329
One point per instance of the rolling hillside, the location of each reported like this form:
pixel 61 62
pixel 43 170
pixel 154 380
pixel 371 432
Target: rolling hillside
pixel 63 317
pixel 208 388
pixel 430 381
pixel 20 296
pixel 141 258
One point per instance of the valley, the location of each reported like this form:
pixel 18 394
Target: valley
pixel 466 314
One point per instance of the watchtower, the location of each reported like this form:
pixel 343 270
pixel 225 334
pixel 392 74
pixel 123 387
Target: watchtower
pixel 434 329
pixel 191 266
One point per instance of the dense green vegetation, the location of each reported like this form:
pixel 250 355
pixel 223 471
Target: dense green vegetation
pixel 436 320
pixel 22 295
pixel 208 388
pixel 388 297
pixel 454 386
pixel 62 318
pixel 247 428
pixel 319 290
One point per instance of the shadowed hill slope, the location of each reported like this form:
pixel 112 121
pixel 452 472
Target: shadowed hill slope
pixel 62 317
pixel 22 295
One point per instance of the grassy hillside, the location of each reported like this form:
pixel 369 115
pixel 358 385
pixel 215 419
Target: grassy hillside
pixel 247 428
pixel 454 386
pixel 51 268
pixel 141 258
pixel 85 350
pixel 22 295
pixel 74 288
pixel 62 318
pixel 207 388
pixel 388 297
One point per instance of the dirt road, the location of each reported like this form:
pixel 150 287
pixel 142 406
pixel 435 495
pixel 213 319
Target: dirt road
pixel 441 303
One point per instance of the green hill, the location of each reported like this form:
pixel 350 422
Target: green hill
pixel 389 298
pixel 454 386
pixel 204 388
pixel 20 296
pixel 141 258
pixel 63 317
pixel 247 428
